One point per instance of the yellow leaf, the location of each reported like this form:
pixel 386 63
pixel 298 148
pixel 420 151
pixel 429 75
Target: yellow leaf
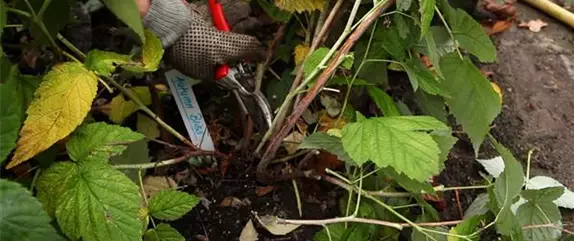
pixel 152 51
pixel 497 90
pixel 120 108
pixel 300 5
pixel 147 126
pixel 60 104
pixel 301 52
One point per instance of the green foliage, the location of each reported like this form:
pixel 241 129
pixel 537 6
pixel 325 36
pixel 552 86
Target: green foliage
pixel 427 12
pixel 467 227
pixel 127 11
pixel 3 20
pixel 55 17
pixel 540 210
pixel 170 204
pixel 89 197
pixel 473 101
pixel 103 62
pixel 99 141
pixel 338 232
pixel 274 12
pixel 384 102
pixel 405 182
pixel 432 105
pixel 419 75
pixel 506 188
pixel 151 54
pixel 471 36
pixel 163 232
pixel 366 52
pixel 135 153
pixel 313 61
pixel 11 110
pixel 401 142
pixel 22 217
pixel 328 143
pixel 403 5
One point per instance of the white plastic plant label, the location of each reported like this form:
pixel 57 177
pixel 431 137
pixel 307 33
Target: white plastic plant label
pixel 189 109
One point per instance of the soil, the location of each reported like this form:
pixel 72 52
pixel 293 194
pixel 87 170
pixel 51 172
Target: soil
pixel 536 74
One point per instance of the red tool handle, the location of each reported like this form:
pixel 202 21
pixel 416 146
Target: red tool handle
pixel 220 22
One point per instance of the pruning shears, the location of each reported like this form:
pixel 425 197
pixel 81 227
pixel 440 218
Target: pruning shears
pixel 240 80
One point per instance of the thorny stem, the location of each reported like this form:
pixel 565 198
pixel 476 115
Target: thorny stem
pixel 282 112
pixel 448 30
pixel 274 144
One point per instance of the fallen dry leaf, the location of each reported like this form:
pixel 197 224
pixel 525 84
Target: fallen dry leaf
pixel 271 223
pixel 533 25
pixel 292 141
pixel 234 202
pixel 249 233
pixel 154 184
pixel 501 10
pixel 497 26
pixel 262 191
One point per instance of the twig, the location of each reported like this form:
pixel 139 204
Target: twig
pixel 261 68
pixel 353 219
pixel 528 161
pixel 297 197
pixel 275 142
pixel 165 162
pixel 448 30
pixel 19 12
pixel 71 46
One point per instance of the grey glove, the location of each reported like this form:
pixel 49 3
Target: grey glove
pixel 194 46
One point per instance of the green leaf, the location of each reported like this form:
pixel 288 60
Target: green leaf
pixel 53 183
pixel 340 232
pixel 136 153
pixel 419 236
pixel 152 52
pixel 400 142
pixel 391 41
pixel 478 206
pixel 467 227
pixel 506 188
pixel 384 102
pixel 474 102
pixel 332 144
pixel 11 110
pixel 548 194
pixel 171 205
pixel 99 141
pixel 312 62
pixel 539 213
pixel 96 202
pixel 163 232
pixel 407 183
pixel 274 12
pixel 127 11
pixel 432 105
pixel 276 90
pixel 432 51
pixel 419 75
pixel 22 217
pixel 103 62
pixel 374 72
pixel 56 16
pixel 471 36
pixel 403 5
pixel 445 143
pixel 427 13
pixel 3 20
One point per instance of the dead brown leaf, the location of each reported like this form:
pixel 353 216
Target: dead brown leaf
pixel 533 25
pixel 262 191
pixel 234 202
pixel 497 26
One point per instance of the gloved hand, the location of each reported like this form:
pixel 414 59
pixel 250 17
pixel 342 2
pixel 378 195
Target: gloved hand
pixel 193 45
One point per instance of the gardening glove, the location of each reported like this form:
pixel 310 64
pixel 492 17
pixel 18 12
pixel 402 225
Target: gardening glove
pixel 193 45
